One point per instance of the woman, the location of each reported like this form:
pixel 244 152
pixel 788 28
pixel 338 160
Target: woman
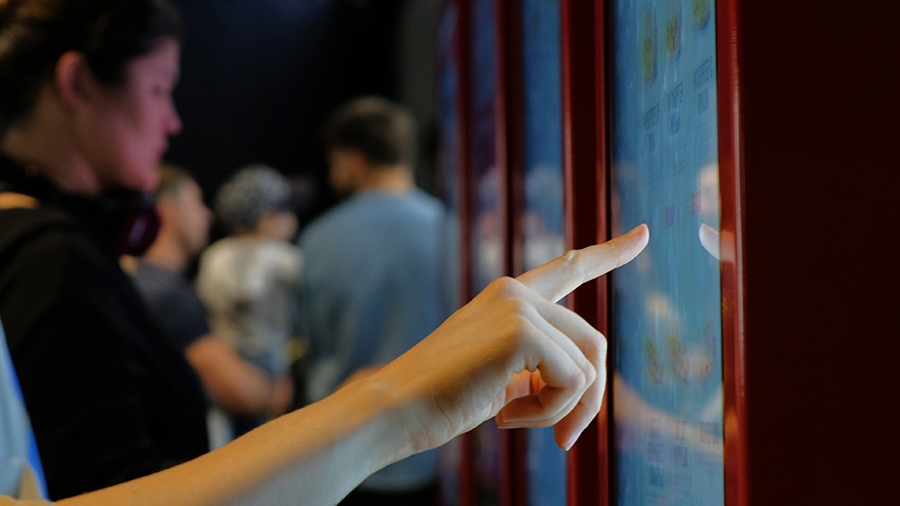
pixel 86 110
pixel 86 113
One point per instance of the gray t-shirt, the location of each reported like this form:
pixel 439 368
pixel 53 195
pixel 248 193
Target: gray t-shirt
pixel 249 287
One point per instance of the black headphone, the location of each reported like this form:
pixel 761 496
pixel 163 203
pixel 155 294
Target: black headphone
pixel 127 217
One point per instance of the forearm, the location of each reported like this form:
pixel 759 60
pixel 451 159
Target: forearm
pixel 312 456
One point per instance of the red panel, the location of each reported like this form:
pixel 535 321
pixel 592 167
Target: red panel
pixel 464 207
pixel 583 167
pixel 513 467
pixel 819 126
pixel 731 234
pixel 602 231
pixel 515 130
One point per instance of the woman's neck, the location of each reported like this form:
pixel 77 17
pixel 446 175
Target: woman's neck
pixel 51 151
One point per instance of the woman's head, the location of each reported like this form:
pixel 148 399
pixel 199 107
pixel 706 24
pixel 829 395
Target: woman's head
pixel 118 57
pixel 34 34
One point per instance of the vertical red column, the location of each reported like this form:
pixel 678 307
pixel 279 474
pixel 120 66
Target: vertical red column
pixel 584 167
pixel 464 206
pixel 731 232
pixel 510 161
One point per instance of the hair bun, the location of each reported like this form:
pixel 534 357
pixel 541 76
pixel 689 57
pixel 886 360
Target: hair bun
pixel 4 4
pixel 6 11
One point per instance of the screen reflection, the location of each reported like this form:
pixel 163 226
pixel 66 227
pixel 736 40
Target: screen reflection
pixel 666 318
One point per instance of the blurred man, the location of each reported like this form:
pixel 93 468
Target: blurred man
pixel 370 291
pixel 248 280
pixel 233 384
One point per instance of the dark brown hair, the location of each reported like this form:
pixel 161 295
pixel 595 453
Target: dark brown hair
pixel 382 131
pixel 110 33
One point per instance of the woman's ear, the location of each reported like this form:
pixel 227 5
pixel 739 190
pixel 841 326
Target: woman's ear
pixel 73 78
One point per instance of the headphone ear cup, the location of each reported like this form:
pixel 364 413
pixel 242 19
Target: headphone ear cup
pixel 139 223
pixel 126 216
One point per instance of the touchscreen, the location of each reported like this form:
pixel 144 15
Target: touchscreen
pixel 666 308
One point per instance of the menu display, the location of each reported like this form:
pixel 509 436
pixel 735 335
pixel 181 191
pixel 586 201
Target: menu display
pixel 666 304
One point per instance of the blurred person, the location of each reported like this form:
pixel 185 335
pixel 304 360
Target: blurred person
pixel 85 115
pixel 235 385
pixel 248 281
pixel 370 290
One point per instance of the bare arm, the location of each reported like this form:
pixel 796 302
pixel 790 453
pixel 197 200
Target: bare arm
pixel 510 353
pixel 233 383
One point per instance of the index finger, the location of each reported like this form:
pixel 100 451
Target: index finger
pixel 557 278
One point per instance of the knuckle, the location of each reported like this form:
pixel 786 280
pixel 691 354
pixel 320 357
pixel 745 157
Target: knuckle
pixel 591 403
pixel 504 286
pixel 602 346
pixel 573 260
pixel 579 380
pixel 514 327
pixel 515 307
pixel 520 330
pixel 590 374
pixel 571 257
pixel 594 348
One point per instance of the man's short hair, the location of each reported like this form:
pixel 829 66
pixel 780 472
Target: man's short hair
pixel 171 180
pixel 382 131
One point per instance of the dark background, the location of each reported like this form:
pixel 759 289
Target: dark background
pixel 259 78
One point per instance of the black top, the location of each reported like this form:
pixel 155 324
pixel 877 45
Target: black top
pixel 109 398
pixel 173 302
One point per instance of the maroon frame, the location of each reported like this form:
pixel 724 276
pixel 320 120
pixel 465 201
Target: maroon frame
pixel 819 251
pixel 584 169
pixel 466 484
pixel 509 161
pixel 731 220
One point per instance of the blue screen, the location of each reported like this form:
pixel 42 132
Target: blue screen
pixel 488 227
pixel 666 317
pixel 542 221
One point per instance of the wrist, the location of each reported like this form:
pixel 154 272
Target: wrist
pixel 380 411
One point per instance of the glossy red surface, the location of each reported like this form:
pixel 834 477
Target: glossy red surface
pixel 818 130
pixel 585 203
pixel 513 444
pixel 463 191
pixel 731 247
